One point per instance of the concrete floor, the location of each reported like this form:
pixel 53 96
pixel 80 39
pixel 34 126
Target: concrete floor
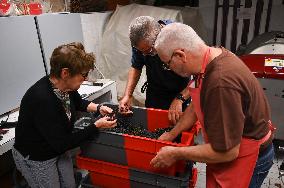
pixel 272 180
pixel 275 178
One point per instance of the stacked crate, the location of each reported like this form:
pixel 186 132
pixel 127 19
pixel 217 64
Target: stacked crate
pixel 122 160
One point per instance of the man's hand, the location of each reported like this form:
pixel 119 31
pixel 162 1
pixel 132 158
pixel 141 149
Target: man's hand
pixel 125 105
pixel 165 157
pixel 175 111
pixel 105 122
pixel 167 136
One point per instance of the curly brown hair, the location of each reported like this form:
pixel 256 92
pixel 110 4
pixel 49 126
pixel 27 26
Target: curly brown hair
pixel 73 57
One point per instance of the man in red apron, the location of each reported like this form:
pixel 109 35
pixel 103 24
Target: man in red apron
pixel 230 105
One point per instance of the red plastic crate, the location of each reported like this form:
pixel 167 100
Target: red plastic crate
pixel 109 175
pixel 4 6
pixel 135 151
pixel 35 8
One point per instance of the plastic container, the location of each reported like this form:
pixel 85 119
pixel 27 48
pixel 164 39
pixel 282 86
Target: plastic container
pixel 109 175
pixel 135 151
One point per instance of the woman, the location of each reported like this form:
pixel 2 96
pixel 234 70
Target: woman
pixel 46 120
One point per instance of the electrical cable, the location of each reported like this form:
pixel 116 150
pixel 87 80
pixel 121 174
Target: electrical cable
pixel 101 74
pixel 8 117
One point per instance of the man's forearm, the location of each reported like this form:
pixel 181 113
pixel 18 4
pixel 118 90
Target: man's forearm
pixel 205 153
pixel 92 107
pixel 186 121
pixel 133 78
pixel 185 93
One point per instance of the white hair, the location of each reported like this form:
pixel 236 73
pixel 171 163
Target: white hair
pixel 144 28
pixel 178 35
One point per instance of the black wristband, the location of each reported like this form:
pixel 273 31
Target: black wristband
pixel 180 97
pixel 98 108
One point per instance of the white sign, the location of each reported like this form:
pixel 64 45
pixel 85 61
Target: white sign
pixel 274 63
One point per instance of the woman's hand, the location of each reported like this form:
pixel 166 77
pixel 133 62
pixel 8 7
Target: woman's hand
pixel 104 110
pixel 105 122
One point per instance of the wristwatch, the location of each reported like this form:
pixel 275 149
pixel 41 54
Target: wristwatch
pixel 180 97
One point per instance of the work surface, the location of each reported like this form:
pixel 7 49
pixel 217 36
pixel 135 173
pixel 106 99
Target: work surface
pixel 87 91
pixel 8 139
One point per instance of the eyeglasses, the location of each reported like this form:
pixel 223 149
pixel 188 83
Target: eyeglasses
pixel 84 75
pixel 166 66
pixel 150 51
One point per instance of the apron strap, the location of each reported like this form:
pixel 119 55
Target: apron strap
pixel 271 126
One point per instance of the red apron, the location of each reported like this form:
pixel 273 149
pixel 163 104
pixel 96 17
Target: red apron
pixel 236 173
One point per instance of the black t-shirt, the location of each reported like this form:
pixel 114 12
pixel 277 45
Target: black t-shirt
pixel 160 81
